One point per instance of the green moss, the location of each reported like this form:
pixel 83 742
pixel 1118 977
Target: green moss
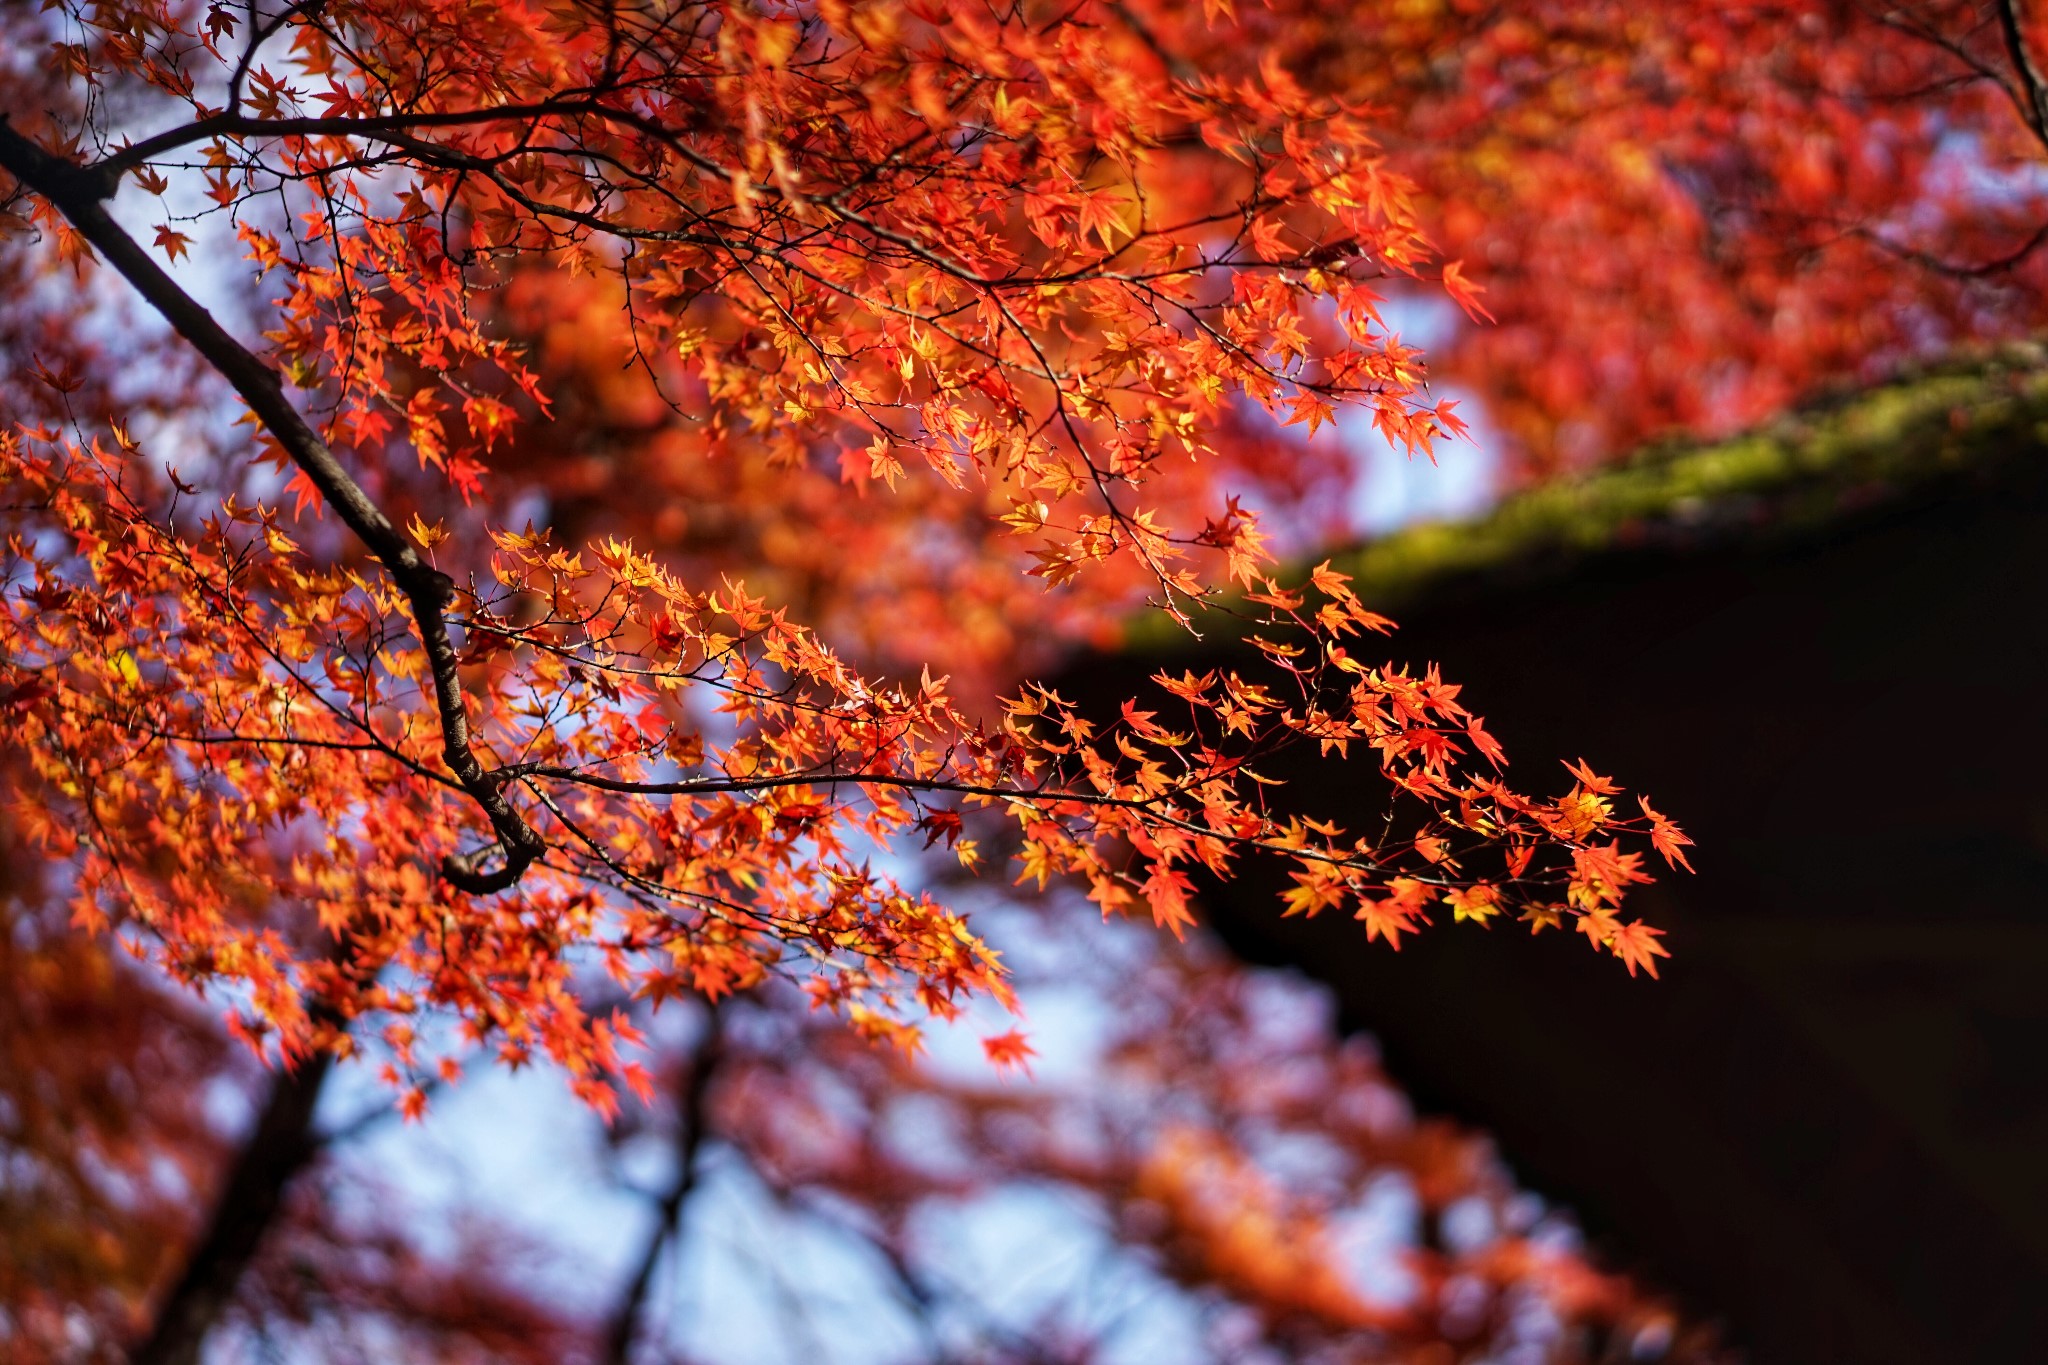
pixel 1845 451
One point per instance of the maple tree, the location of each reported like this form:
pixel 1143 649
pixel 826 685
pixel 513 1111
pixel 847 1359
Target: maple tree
pixel 531 753
pixel 956 330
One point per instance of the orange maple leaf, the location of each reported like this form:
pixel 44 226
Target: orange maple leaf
pixel 1636 945
pixel 1592 781
pixel 1465 292
pixel 173 243
pixel 1005 1050
pixel 1666 837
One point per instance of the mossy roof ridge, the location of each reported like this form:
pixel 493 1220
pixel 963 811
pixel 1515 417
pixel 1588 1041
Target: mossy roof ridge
pixel 1848 450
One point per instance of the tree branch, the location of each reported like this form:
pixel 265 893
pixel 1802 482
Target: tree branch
pixel 79 194
pixel 1980 270
pixel 2029 72
pixel 691 1121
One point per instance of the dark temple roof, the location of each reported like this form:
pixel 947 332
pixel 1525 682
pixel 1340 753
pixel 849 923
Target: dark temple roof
pixel 1823 647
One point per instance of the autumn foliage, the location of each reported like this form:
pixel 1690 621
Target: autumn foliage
pixel 1031 256
pixel 624 469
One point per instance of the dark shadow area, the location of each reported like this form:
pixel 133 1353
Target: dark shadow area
pixel 1827 1126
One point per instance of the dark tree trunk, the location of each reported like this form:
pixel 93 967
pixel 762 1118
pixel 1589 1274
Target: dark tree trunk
pixel 280 1146
pixel 692 1122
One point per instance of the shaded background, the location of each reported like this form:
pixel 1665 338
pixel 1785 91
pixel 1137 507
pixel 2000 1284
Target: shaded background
pixel 1824 1126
